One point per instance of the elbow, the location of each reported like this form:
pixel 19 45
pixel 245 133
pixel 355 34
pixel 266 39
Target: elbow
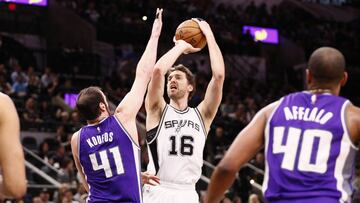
pixel 157 72
pixel 219 77
pixel 226 169
pixel 17 190
pixel 143 72
pixel 118 109
pixel 20 192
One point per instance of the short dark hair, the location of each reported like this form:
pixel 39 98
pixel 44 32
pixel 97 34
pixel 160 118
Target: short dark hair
pixel 327 65
pixel 189 76
pixel 88 102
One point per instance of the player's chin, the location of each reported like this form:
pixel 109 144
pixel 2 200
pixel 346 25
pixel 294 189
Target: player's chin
pixel 172 92
pixel 173 95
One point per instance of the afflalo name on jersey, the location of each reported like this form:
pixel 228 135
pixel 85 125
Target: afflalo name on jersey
pixel 309 154
pixel 176 146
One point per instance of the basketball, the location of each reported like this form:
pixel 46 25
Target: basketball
pixel 190 32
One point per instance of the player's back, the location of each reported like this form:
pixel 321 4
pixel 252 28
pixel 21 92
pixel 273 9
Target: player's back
pixel 110 161
pixel 309 154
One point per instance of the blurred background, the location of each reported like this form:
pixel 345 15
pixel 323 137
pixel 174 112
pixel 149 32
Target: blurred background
pixel 51 49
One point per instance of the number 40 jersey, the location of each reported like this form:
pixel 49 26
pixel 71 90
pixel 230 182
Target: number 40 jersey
pixel 110 161
pixel 309 154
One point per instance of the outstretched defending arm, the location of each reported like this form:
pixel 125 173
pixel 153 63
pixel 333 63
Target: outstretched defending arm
pixel 132 102
pixel 247 143
pixel 11 152
pixel 209 106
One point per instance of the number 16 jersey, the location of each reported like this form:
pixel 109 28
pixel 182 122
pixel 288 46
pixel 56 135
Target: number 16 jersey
pixel 176 146
pixel 309 154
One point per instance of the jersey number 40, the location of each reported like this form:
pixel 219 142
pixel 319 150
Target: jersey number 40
pixel 312 157
pixel 105 164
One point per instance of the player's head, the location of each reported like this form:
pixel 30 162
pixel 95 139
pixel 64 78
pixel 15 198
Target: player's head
pixel 180 82
pixel 326 68
pixel 91 103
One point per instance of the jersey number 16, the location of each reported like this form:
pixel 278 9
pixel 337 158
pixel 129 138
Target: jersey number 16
pixel 186 147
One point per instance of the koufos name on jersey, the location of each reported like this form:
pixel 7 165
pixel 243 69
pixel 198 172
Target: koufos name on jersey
pixel 176 146
pixel 110 161
pixel 309 154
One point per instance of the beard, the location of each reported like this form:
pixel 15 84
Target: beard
pixel 176 94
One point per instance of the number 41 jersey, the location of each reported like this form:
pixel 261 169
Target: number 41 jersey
pixel 309 154
pixel 110 162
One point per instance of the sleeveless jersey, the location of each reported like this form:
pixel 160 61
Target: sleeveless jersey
pixel 110 162
pixel 176 146
pixel 309 154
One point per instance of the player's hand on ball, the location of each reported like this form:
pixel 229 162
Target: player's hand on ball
pixel 147 178
pixel 204 26
pixel 188 48
pixel 156 29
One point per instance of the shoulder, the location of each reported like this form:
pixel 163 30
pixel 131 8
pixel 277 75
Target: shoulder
pixel 75 137
pixel 353 121
pixel 6 105
pixel 270 108
pixel 5 100
pixel 74 143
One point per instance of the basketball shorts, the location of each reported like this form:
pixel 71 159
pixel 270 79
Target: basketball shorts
pixel 166 192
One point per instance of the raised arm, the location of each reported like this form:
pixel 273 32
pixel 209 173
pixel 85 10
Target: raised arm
pixel 154 101
pixel 209 106
pixel 132 102
pixel 11 153
pixel 247 143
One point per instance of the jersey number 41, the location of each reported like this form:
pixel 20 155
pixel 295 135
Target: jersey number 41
pixel 105 164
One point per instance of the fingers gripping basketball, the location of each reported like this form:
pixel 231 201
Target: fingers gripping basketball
pixel 190 32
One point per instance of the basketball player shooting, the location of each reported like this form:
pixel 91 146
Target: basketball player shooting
pixel 106 151
pixel 310 140
pixel 176 134
pixel 12 164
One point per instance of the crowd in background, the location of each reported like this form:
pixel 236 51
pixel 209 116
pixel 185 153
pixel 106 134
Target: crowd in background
pixel 38 92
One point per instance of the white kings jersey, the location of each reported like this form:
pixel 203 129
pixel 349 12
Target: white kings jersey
pixel 176 146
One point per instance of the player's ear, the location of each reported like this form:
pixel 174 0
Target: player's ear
pixel 344 79
pixel 308 76
pixel 102 106
pixel 190 88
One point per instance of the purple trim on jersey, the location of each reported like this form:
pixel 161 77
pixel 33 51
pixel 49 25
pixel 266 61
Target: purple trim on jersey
pixel 304 200
pixel 286 185
pixel 109 137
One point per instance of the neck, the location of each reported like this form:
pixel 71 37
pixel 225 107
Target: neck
pixel 179 104
pixel 316 89
pixel 98 119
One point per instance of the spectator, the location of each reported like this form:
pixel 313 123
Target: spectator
pixel 91 13
pixel 5 87
pixel 33 83
pixel 18 72
pixel 19 88
pixel 45 196
pixel 47 78
pixel 31 114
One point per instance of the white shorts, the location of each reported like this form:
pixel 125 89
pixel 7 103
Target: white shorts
pixel 170 193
